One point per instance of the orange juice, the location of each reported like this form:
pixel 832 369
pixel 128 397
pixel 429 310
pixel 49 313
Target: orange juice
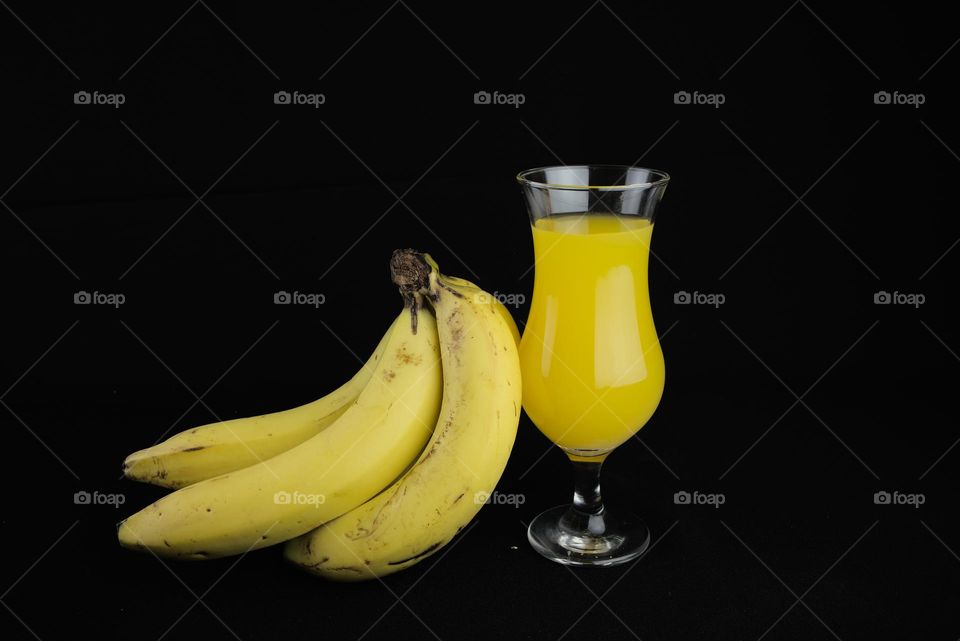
pixel 592 367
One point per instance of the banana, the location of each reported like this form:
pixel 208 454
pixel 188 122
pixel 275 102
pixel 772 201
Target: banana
pixel 211 450
pixel 365 450
pixel 449 483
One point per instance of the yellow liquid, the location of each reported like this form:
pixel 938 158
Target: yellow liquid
pixel 592 367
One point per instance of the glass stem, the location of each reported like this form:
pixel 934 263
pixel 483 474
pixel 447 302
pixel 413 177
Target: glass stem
pixel 586 488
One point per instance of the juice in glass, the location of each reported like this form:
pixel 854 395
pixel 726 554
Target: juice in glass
pixel 593 371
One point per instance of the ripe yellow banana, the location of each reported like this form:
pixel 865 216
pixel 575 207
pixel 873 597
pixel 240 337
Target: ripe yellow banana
pixel 448 484
pixel 211 450
pixel 333 472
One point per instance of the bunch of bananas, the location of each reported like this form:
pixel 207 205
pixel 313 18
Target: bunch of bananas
pixel 370 479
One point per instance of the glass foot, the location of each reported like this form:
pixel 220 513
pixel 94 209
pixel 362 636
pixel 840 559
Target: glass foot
pixel 571 537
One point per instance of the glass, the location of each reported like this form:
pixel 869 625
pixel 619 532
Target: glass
pixel 593 370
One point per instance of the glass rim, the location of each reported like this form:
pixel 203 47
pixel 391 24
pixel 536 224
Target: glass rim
pixel 663 178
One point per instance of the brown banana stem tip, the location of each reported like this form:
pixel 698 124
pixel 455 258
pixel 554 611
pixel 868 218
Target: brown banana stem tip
pixel 410 271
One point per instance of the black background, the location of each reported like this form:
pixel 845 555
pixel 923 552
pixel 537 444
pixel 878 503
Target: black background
pixel 797 199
